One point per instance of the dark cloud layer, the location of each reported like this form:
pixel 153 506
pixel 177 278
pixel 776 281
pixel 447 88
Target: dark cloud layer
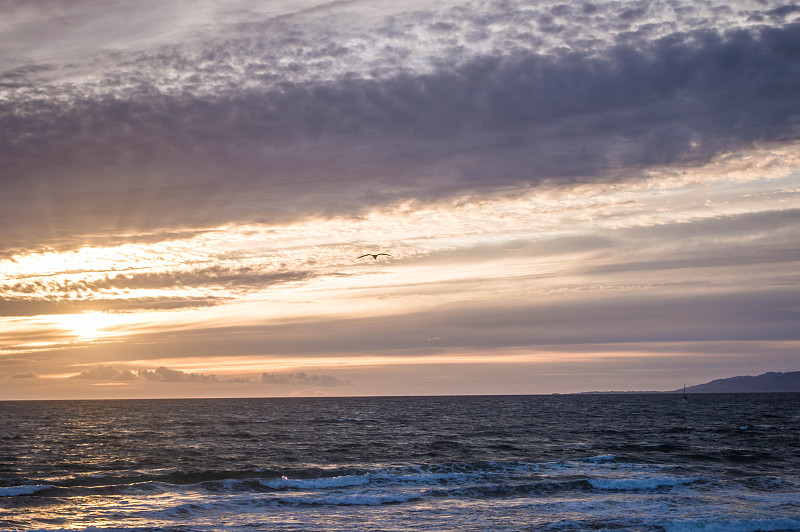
pixel 149 160
pixel 752 239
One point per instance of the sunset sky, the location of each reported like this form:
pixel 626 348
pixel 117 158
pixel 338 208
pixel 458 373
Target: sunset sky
pixel 587 195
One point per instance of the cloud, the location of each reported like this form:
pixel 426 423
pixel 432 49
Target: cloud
pixel 780 13
pixel 23 306
pixel 160 374
pixel 71 242
pixel 707 260
pixel 337 145
pixel 26 375
pixel 667 314
pixel 239 380
pixel 303 378
pixel 213 276
pixel 164 374
pixel 543 173
pixel 106 373
pixel 778 224
pixel 36 296
pixel 725 241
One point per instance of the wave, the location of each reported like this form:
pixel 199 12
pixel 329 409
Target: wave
pixel 639 484
pixel 602 472
pixel 601 458
pixel 352 499
pixel 481 480
pixel 14 491
pixel 626 494
pixel 317 483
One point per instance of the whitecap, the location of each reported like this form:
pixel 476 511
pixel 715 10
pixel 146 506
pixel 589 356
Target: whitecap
pixel 13 491
pixel 636 484
pixel 316 483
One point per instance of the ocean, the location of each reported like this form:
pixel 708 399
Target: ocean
pixel 639 462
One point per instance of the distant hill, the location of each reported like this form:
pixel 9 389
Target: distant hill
pixel 767 382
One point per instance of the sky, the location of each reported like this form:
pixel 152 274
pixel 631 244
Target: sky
pixel 572 196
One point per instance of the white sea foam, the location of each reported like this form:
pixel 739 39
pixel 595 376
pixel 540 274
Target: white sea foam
pixel 13 491
pixel 636 484
pixel 317 483
pixel 383 478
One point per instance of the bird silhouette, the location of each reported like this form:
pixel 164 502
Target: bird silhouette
pixel 373 255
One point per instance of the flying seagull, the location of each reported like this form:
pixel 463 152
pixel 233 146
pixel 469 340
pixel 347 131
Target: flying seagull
pixel 373 255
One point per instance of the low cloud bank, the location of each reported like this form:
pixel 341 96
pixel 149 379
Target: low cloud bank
pixel 106 373
pixel 165 374
pixel 303 378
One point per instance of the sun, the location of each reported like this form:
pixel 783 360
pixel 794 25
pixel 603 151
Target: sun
pixel 88 324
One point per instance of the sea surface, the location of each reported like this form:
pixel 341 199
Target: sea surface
pixel 646 462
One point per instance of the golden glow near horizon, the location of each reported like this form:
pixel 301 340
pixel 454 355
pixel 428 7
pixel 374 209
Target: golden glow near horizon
pixel 89 325
pixel 447 252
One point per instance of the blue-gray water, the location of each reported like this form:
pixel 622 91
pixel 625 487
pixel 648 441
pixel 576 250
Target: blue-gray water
pixel 555 463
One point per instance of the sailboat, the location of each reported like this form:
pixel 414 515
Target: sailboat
pixel 684 399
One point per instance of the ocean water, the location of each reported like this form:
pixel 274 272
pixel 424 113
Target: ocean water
pixel 551 463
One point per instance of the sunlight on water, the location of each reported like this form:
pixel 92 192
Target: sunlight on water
pixel 504 463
